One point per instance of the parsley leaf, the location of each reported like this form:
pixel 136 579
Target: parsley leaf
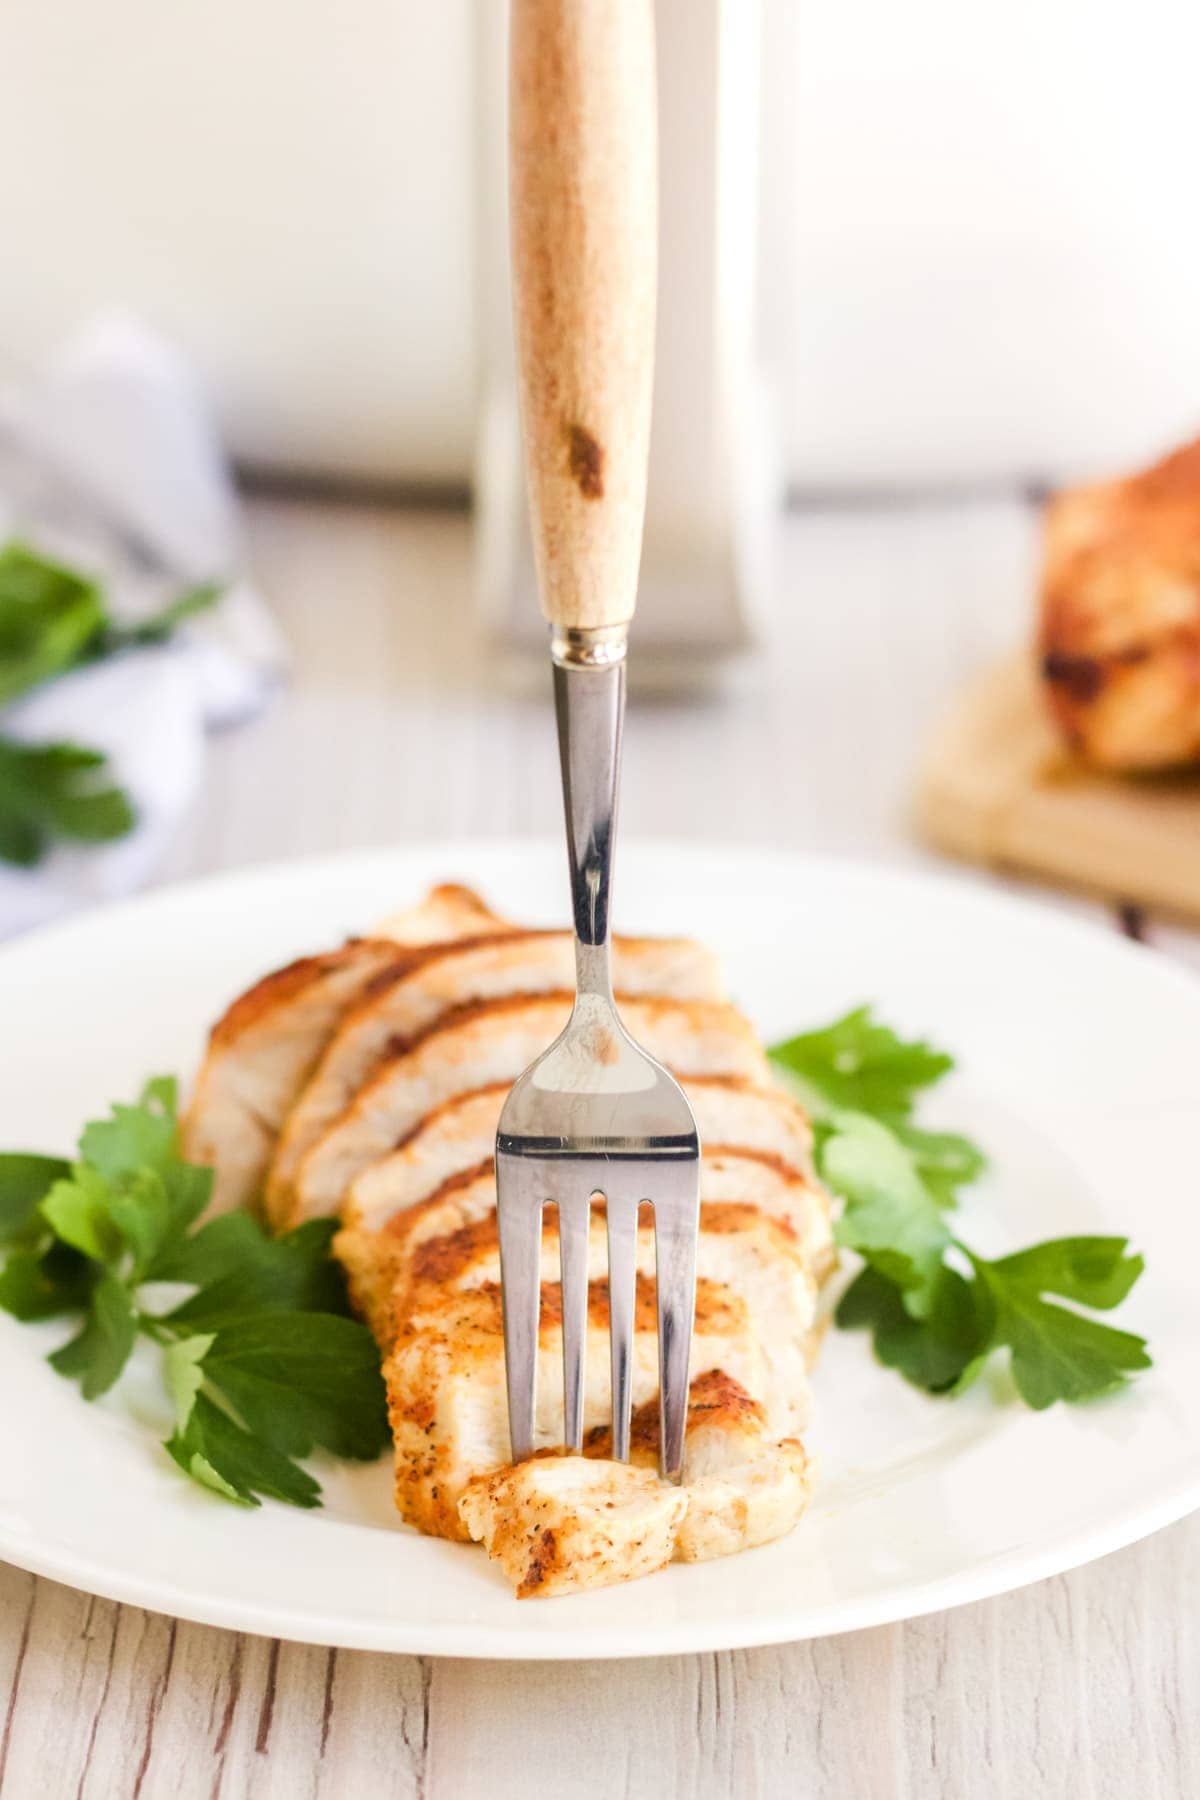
pixel 52 791
pixel 859 1064
pixel 936 1311
pixel 301 1380
pixel 43 1282
pixel 48 618
pixel 217 1452
pixel 131 1197
pixel 53 619
pixel 237 1267
pixel 24 1181
pixel 261 1360
pixel 98 1353
pixel 1095 1271
pixel 890 1217
pixel 183 1374
pixel 1059 1354
pixel 937 1352
pixel 944 1160
pixel 160 625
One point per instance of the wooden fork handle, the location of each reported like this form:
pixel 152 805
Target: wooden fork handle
pixel 583 176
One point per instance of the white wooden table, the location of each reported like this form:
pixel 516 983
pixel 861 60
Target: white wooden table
pixel 1087 1686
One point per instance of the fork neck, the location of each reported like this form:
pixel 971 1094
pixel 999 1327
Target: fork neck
pixel 589 700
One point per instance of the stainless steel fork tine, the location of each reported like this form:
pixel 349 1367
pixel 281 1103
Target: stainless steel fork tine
pixel 574 1226
pixel 675 1280
pixel 622 1300
pixel 519 1216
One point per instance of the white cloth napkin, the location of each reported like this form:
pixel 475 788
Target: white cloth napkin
pixel 109 462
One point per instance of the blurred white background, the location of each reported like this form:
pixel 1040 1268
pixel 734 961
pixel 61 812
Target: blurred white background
pixel 976 261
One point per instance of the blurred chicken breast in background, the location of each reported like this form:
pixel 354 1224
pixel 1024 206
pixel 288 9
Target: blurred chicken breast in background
pixel 1120 616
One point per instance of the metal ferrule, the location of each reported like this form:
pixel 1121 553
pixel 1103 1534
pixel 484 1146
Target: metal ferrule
pixel 598 647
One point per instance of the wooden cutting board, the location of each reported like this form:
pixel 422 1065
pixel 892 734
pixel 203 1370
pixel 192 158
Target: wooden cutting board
pixel 998 787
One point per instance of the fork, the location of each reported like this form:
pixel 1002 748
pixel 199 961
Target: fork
pixel 594 1117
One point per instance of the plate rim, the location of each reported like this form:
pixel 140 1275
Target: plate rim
pixel 481 1642
pixel 969 884
pixel 1070 1548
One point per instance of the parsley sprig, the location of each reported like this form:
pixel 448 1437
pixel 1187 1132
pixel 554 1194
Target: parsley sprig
pixel 52 620
pixel 262 1363
pixel 937 1310
pixel 60 790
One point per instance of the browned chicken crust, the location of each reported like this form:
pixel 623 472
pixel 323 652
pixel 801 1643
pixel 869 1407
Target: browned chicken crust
pixel 1119 633
pixel 268 1042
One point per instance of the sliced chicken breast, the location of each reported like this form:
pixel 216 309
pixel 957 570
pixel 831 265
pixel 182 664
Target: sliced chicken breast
pixel 370 1081
pixel 565 1524
pixel 754 1315
pixel 494 1042
pixel 445 1381
pixel 739 1250
pixel 461 1132
pixel 377 1263
pixel 265 1047
pixel 562 1524
pixel 402 1003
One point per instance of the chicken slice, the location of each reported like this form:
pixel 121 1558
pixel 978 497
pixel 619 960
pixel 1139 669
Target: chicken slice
pixel 565 1524
pixel 402 1003
pixel 740 1495
pixel 377 1261
pixel 492 1042
pixel 743 1488
pixel 448 911
pixel 562 1524
pixel 446 1396
pixel 259 1056
pixel 264 1048
pixel 461 1133
pixel 798 1202
pixel 746 1255
pixel 454 1138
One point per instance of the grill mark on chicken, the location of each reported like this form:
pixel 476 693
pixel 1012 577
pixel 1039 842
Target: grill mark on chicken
pixel 419 958
pixel 399 1224
pixel 286 983
pixel 650 1006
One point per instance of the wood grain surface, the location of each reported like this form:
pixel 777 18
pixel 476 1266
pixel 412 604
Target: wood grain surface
pixel 394 729
pixel 998 786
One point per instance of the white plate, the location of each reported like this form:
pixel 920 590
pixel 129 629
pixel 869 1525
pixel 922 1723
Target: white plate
pixel 1079 1071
